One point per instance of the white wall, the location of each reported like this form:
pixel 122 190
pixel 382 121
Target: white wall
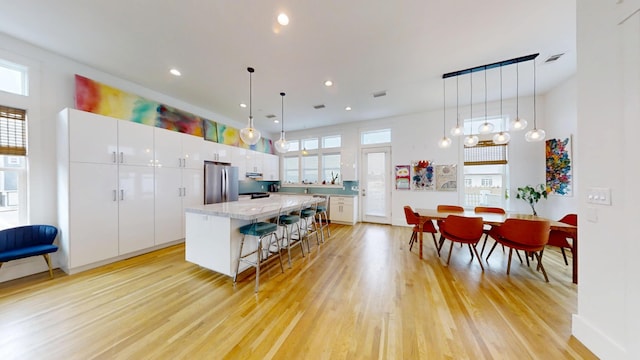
pixel 608 92
pixel 52 88
pixel 415 136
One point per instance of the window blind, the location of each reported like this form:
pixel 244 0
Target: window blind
pixel 13 128
pixel 485 153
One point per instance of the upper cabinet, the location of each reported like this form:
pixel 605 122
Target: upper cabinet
pixel 218 152
pixel 178 150
pixel 348 161
pixel 99 139
pixel 271 167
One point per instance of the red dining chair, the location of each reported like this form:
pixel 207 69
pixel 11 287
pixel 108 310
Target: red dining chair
pixel 414 219
pixel 463 230
pixel 530 236
pixel 488 230
pixel 446 208
pixel 559 238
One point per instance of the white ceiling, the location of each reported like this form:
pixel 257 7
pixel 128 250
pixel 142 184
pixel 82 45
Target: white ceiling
pixel 365 46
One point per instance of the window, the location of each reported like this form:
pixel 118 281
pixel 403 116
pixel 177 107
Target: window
pixel 294 145
pixel 375 137
pixel 330 167
pixel 310 169
pixel 486 182
pixel 468 182
pixel 291 170
pixel 13 148
pixel 329 142
pixel 310 144
pixel 13 78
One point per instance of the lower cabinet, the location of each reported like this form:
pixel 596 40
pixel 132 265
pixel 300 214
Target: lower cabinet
pixel 343 209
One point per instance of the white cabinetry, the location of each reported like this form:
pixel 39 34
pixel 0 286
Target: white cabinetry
pixel 178 181
pixel 105 187
pixel 348 161
pixel 343 209
pixel 218 152
pixel 271 167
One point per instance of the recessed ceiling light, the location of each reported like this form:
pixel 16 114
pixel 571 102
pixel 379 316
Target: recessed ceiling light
pixel 175 72
pixel 348 108
pixel 243 105
pixel 328 83
pixel 283 19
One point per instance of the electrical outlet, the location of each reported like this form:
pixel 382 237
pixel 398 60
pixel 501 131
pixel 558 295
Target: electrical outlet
pixel 599 196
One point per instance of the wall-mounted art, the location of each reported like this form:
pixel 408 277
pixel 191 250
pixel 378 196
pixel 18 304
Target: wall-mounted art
pixel 422 175
pixel 403 177
pixel 446 178
pixel 559 167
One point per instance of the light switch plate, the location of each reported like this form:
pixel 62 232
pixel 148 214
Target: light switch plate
pixel 599 196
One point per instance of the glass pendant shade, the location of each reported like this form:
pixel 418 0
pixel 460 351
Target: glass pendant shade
pixel 444 142
pixel 250 135
pixel 471 140
pixel 457 130
pixel 518 124
pixel 485 128
pixel 282 145
pixel 501 138
pixel 534 135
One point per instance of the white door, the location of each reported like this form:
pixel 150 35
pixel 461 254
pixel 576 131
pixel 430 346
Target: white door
pixel 192 191
pixel 93 213
pixel 168 205
pixel 92 138
pixel 135 143
pixel 167 148
pixel 135 211
pixel 375 185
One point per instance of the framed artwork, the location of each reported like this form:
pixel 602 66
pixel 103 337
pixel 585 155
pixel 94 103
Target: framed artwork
pixel 403 177
pixel 422 175
pixel 559 166
pixel 446 177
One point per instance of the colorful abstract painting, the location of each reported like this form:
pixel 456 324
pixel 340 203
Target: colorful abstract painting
pixel 422 175
pixel 559 166
pixel 98 98
pixel 446 178
pixel 403 178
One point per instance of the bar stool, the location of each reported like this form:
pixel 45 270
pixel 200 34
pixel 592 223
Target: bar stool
pixel 259 230
pixel 287 223
pixel 321 210
pixel 308 222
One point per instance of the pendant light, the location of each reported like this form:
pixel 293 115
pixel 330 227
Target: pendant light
pixel 457 130
pixel 250 135
pixel 518 123
pixel 471 140
pixel 502 137
pixel 486 127
pixel 282 146
pixel 534 134
pixel 444 142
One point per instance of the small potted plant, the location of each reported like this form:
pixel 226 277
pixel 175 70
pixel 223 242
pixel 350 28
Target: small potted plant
pixel 532 194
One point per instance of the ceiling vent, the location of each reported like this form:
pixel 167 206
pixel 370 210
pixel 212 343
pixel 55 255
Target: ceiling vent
pixel 321 106
pixel 270 116
pixel 553 58
pixel 379 94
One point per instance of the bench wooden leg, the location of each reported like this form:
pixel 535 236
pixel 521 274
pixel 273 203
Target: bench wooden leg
pixel 48 260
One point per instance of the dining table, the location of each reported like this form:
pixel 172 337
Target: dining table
pixel 497 220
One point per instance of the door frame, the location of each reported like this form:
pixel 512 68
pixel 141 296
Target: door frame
pixel 363 154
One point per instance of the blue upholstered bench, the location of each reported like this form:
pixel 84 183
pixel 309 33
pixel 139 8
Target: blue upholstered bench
pixel 25 241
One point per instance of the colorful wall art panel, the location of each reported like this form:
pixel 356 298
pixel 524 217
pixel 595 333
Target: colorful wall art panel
pixel 403 177
pixel 422 175
pixel 102 99
pixel 446 178
pixel 559 166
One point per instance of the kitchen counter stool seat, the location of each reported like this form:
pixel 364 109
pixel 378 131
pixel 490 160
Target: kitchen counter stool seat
pixel 260 231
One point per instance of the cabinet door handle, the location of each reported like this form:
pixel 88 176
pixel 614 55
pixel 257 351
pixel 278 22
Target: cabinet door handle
pixel 121 157
pixel 114 157
pixel 121 194
pixel 184 162
pixel 115 196
pixel 184 191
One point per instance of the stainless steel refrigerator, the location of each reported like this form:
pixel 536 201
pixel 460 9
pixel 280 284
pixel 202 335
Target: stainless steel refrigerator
pixel 220 182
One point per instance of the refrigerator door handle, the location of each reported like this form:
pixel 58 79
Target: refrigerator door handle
pixel 225 181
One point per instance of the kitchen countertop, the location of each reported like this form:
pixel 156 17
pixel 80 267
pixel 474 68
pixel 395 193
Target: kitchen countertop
pixel 255 208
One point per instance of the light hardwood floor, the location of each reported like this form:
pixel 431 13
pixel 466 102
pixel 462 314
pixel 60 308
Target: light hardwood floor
pixel 360 295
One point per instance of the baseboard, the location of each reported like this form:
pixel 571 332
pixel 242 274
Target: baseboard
pixel 595 340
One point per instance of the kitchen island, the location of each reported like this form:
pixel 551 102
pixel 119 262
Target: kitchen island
pixel 212 237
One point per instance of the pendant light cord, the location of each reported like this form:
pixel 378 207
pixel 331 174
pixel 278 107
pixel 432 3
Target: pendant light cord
pixel 517 92
pixel 535 125
pixel 457 109
pixel 250 69
pixel 282 123
pixel 471 100
pixel 485 95
pixel 444 108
